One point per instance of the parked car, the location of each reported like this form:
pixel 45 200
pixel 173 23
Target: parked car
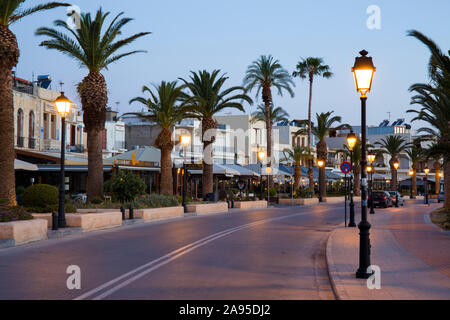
pixel 441 196
pixel 81 197
pixel 381 199
pixel 394 194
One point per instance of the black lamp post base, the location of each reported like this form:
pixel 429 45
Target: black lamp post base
pixel 363 274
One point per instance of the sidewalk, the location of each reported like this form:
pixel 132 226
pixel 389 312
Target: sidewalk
pixel 412 255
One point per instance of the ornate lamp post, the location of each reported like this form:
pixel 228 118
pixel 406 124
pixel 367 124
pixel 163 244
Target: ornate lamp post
pixel 62 104
pixel 363 71
pixel 320 164
pixel 426 170
pixel 351 141
pixel 371 158
pixel 396 165
pixel 185 141
pixel 411 174
pixel 260 160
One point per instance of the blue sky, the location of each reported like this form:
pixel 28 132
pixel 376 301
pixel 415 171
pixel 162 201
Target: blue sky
pixel 229 35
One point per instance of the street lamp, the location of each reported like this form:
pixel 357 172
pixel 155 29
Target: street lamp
pixel 62 104
pixel 396 165
pixel 411 174
pixel 351 141
pixel 185 141
pixel 426 170
pixel 260 160
pixel 363 71
pixel 320 164
pixel 371 158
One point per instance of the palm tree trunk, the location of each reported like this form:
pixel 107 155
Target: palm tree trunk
pixel 267 98
pixel 414 183
pixel 94 97
pixel 322 183
pixel 166 171
pixel 9 55
pixel 297 176
pixel 393 179
pixel 357 179
pixel 310 162
pixel 208 177
pixel 95 164
pixel 437 167
pixel 447 185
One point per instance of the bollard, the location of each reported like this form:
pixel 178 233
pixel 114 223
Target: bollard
pixel 122 209
pixel 131 217
pixel 54 221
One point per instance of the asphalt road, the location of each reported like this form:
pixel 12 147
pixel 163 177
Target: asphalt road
pixel 276 253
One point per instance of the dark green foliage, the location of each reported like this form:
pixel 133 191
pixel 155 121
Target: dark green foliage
pixel 157 201
pixel 96 201
pixel 40 196
pixel 14 214
pixel 125 187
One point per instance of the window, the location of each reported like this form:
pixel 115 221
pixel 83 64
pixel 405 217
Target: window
pixel 31 125
pixel 20 123
pixel 53 126
pixel 46 131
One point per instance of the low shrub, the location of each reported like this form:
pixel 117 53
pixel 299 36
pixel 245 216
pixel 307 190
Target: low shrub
pixel 156 201
pixel 96 201
pixel 125 187
pixel 40 196
pixel 14 214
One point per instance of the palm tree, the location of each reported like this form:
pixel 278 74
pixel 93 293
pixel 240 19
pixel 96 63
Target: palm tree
pixel 393 145
pixel 95 47
pixel 206 98
pixel 415 155
pixel 263 74
pixel 164 110
pixel 434 99
pixel 356 163
pixel 277 114
pixel 325 124
pixel 297 154
pixel 310 68
pixel 11 11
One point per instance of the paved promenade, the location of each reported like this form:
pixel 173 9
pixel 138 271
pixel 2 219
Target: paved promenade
pixel 412 254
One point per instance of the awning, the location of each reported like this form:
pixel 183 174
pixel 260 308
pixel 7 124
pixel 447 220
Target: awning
pixel 139 168
pixel 22 165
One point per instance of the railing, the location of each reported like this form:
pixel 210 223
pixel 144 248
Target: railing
pixel 31 143
pixel 20 142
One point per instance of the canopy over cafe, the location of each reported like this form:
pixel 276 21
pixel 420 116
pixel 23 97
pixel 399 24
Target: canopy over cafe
pixel 44 167
pixel 35 167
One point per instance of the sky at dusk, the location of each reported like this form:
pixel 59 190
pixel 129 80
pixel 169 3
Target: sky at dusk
pixel 229 35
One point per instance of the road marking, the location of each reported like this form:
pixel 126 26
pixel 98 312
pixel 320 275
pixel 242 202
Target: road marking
pixel 157 263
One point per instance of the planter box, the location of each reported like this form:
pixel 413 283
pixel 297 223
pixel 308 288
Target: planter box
pixel 159 213
pixel 207 208
pixel 45 216
pixel 96 210
pixel 299 202
pixel 94 221
pixel 20 232
pixel 251 204
pixel 335 199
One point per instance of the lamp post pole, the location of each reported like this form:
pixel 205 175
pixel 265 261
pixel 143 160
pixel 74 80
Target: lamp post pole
pixel 372 211
pixel 352 204
pixel 364 225
pixel 184 180
pixel 62 182
pixel 426 188
pixel 396 189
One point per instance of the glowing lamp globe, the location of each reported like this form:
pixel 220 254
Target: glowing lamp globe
pixel 63 104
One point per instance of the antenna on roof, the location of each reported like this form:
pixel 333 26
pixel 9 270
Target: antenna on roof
pixel 389 116
pixel 61 85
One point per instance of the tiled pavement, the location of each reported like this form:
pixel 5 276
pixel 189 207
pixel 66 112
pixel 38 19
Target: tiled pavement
pixel 413 257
